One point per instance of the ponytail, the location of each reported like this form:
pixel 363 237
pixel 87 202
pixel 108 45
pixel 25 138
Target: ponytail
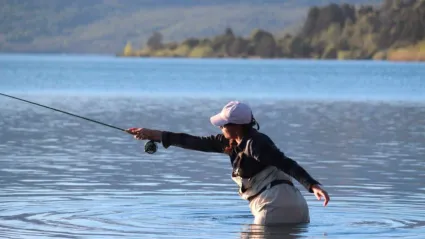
pixel 254 123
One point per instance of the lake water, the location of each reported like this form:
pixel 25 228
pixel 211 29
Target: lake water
pixel 358 127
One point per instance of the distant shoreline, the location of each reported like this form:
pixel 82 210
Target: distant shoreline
pixel 117 56
pixel 392 32
pixel 271 59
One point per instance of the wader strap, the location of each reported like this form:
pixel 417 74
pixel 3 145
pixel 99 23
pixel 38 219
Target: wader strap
pixel 270 185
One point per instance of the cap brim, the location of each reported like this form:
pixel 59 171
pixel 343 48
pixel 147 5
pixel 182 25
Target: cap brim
pixel 217 120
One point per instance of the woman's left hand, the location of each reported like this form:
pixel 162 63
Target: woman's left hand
pixel 144 133
pixel 319 193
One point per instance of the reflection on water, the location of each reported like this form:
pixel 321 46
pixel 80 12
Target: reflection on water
pixel 64 177
pixel 274 231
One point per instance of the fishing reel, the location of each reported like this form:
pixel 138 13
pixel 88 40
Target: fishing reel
pixel 151 147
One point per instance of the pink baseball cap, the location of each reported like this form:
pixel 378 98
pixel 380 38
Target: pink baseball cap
pixel 233 112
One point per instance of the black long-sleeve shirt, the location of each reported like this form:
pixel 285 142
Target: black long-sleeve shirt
pixel 255 152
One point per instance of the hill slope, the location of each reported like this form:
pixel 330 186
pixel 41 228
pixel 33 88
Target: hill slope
pixel 104 26
pixel 395 30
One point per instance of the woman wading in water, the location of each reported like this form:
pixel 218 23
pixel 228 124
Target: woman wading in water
pixel 261 170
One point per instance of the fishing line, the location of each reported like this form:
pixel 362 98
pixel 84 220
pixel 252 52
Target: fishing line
pixel 150 146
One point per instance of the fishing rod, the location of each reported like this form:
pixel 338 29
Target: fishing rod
pixel 150 146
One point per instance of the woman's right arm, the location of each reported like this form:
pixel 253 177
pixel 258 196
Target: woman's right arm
pixel 213 143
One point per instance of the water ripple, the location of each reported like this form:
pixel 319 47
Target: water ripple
pixel 63 177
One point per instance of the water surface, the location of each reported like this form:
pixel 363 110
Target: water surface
pixel 64 177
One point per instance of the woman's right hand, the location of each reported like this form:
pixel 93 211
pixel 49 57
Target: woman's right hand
pixel 144 133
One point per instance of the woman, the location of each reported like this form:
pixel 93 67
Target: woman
pixel 260 169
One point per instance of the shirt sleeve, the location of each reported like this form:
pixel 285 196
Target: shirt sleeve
pixel 265 151
pixel 213 143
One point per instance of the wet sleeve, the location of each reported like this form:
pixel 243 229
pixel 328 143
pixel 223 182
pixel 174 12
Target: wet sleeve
pixel 267 153
pixel 212 143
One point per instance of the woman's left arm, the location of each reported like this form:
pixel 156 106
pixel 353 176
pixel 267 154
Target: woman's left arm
pixel 265 151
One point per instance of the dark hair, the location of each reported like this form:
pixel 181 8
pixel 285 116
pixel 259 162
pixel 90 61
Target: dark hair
pixel 245 129
pixel 254 122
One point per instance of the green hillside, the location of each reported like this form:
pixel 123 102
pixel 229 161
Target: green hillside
pixel 104 26
pixel 394 30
